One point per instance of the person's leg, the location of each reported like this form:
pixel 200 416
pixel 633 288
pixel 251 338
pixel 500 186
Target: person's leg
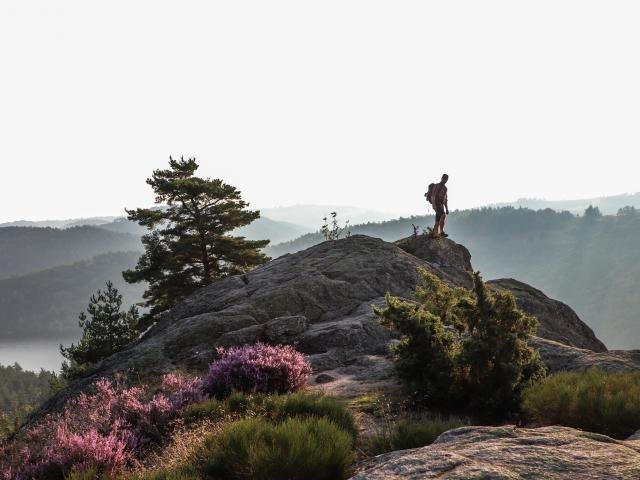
pixel 437 226
pixel 443 220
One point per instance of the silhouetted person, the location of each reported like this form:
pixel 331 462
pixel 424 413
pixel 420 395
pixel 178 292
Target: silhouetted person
pixel 441 205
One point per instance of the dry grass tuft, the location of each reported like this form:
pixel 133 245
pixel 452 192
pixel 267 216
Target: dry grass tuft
pixel 186 441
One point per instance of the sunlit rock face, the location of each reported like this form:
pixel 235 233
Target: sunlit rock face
pixel 500 453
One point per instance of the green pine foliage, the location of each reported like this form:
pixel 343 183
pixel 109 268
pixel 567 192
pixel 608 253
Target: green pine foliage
pixel 189 245
pixel 20 392
pixel 592 400
pixel 106 330
pixel 461 349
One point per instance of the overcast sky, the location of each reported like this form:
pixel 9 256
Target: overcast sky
pixel 328 102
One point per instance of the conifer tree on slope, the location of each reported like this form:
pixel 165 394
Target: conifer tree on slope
pixel 107 329
pixel 189 245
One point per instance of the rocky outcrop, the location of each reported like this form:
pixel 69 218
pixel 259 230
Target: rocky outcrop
pixel 442 253
pixel 320 301
pixel 492 453
pixel 558 356
pixel 557 321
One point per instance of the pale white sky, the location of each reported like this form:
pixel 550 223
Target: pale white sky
pixel 326 102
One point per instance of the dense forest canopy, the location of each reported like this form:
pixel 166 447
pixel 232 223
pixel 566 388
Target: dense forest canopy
pixel 20 391
pixel 590 262
pixel 48 302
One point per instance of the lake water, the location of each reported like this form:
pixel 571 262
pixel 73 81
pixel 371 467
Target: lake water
pixel 33 354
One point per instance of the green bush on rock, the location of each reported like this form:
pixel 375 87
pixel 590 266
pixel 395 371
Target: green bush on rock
pixel 463 349
pixel 300 405
pixel 593 400
pixel 310 448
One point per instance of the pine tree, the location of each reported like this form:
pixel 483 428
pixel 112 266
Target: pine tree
pixel 499 363
pixel 106 330
pixel 189 245
pixel 592 213
pixel 462 349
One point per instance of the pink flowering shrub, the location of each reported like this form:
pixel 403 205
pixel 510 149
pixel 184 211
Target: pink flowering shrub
pixel 260 368
pixel 105 430
pixel 183 391
pixel 102 431
pixel 106 453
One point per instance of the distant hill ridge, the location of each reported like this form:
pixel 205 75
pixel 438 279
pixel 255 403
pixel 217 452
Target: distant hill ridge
pixel 30 249
pixel 48 302
pixel 607 205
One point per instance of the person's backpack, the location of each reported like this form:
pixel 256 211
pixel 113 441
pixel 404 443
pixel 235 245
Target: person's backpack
pixel 431 194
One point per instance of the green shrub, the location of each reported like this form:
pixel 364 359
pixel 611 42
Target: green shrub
pixel 88 474
pixel 237 403
pixel 463 350
pixel 410 433
pixel 593 400
pixel 185 473
pixel 277 408
pixel 281 436
pixel 210 410
pixel 308 448
pixel 314 405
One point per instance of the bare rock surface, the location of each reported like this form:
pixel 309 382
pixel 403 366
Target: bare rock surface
pixel 496 453
pixel 444 254
pixel 558 356
pixel 558 321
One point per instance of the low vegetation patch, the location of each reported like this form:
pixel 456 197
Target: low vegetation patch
pixel 108 430
pixel 301 405
pixel 462 349
pixel 592 400
pixel 275 408
pixel 254 449
pixel 100 431
pixel 410 433
pixel 269 437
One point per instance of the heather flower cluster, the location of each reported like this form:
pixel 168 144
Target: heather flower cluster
pixel 102 431
pixel 105 430
pixel 257 368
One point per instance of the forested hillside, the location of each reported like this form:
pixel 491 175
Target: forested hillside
pixel 607 205
pixel 590 262
pixel 28 249
pixel 48 302
pixel 20 391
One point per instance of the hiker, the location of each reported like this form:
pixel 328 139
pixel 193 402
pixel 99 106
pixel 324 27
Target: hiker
pixel 437 196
